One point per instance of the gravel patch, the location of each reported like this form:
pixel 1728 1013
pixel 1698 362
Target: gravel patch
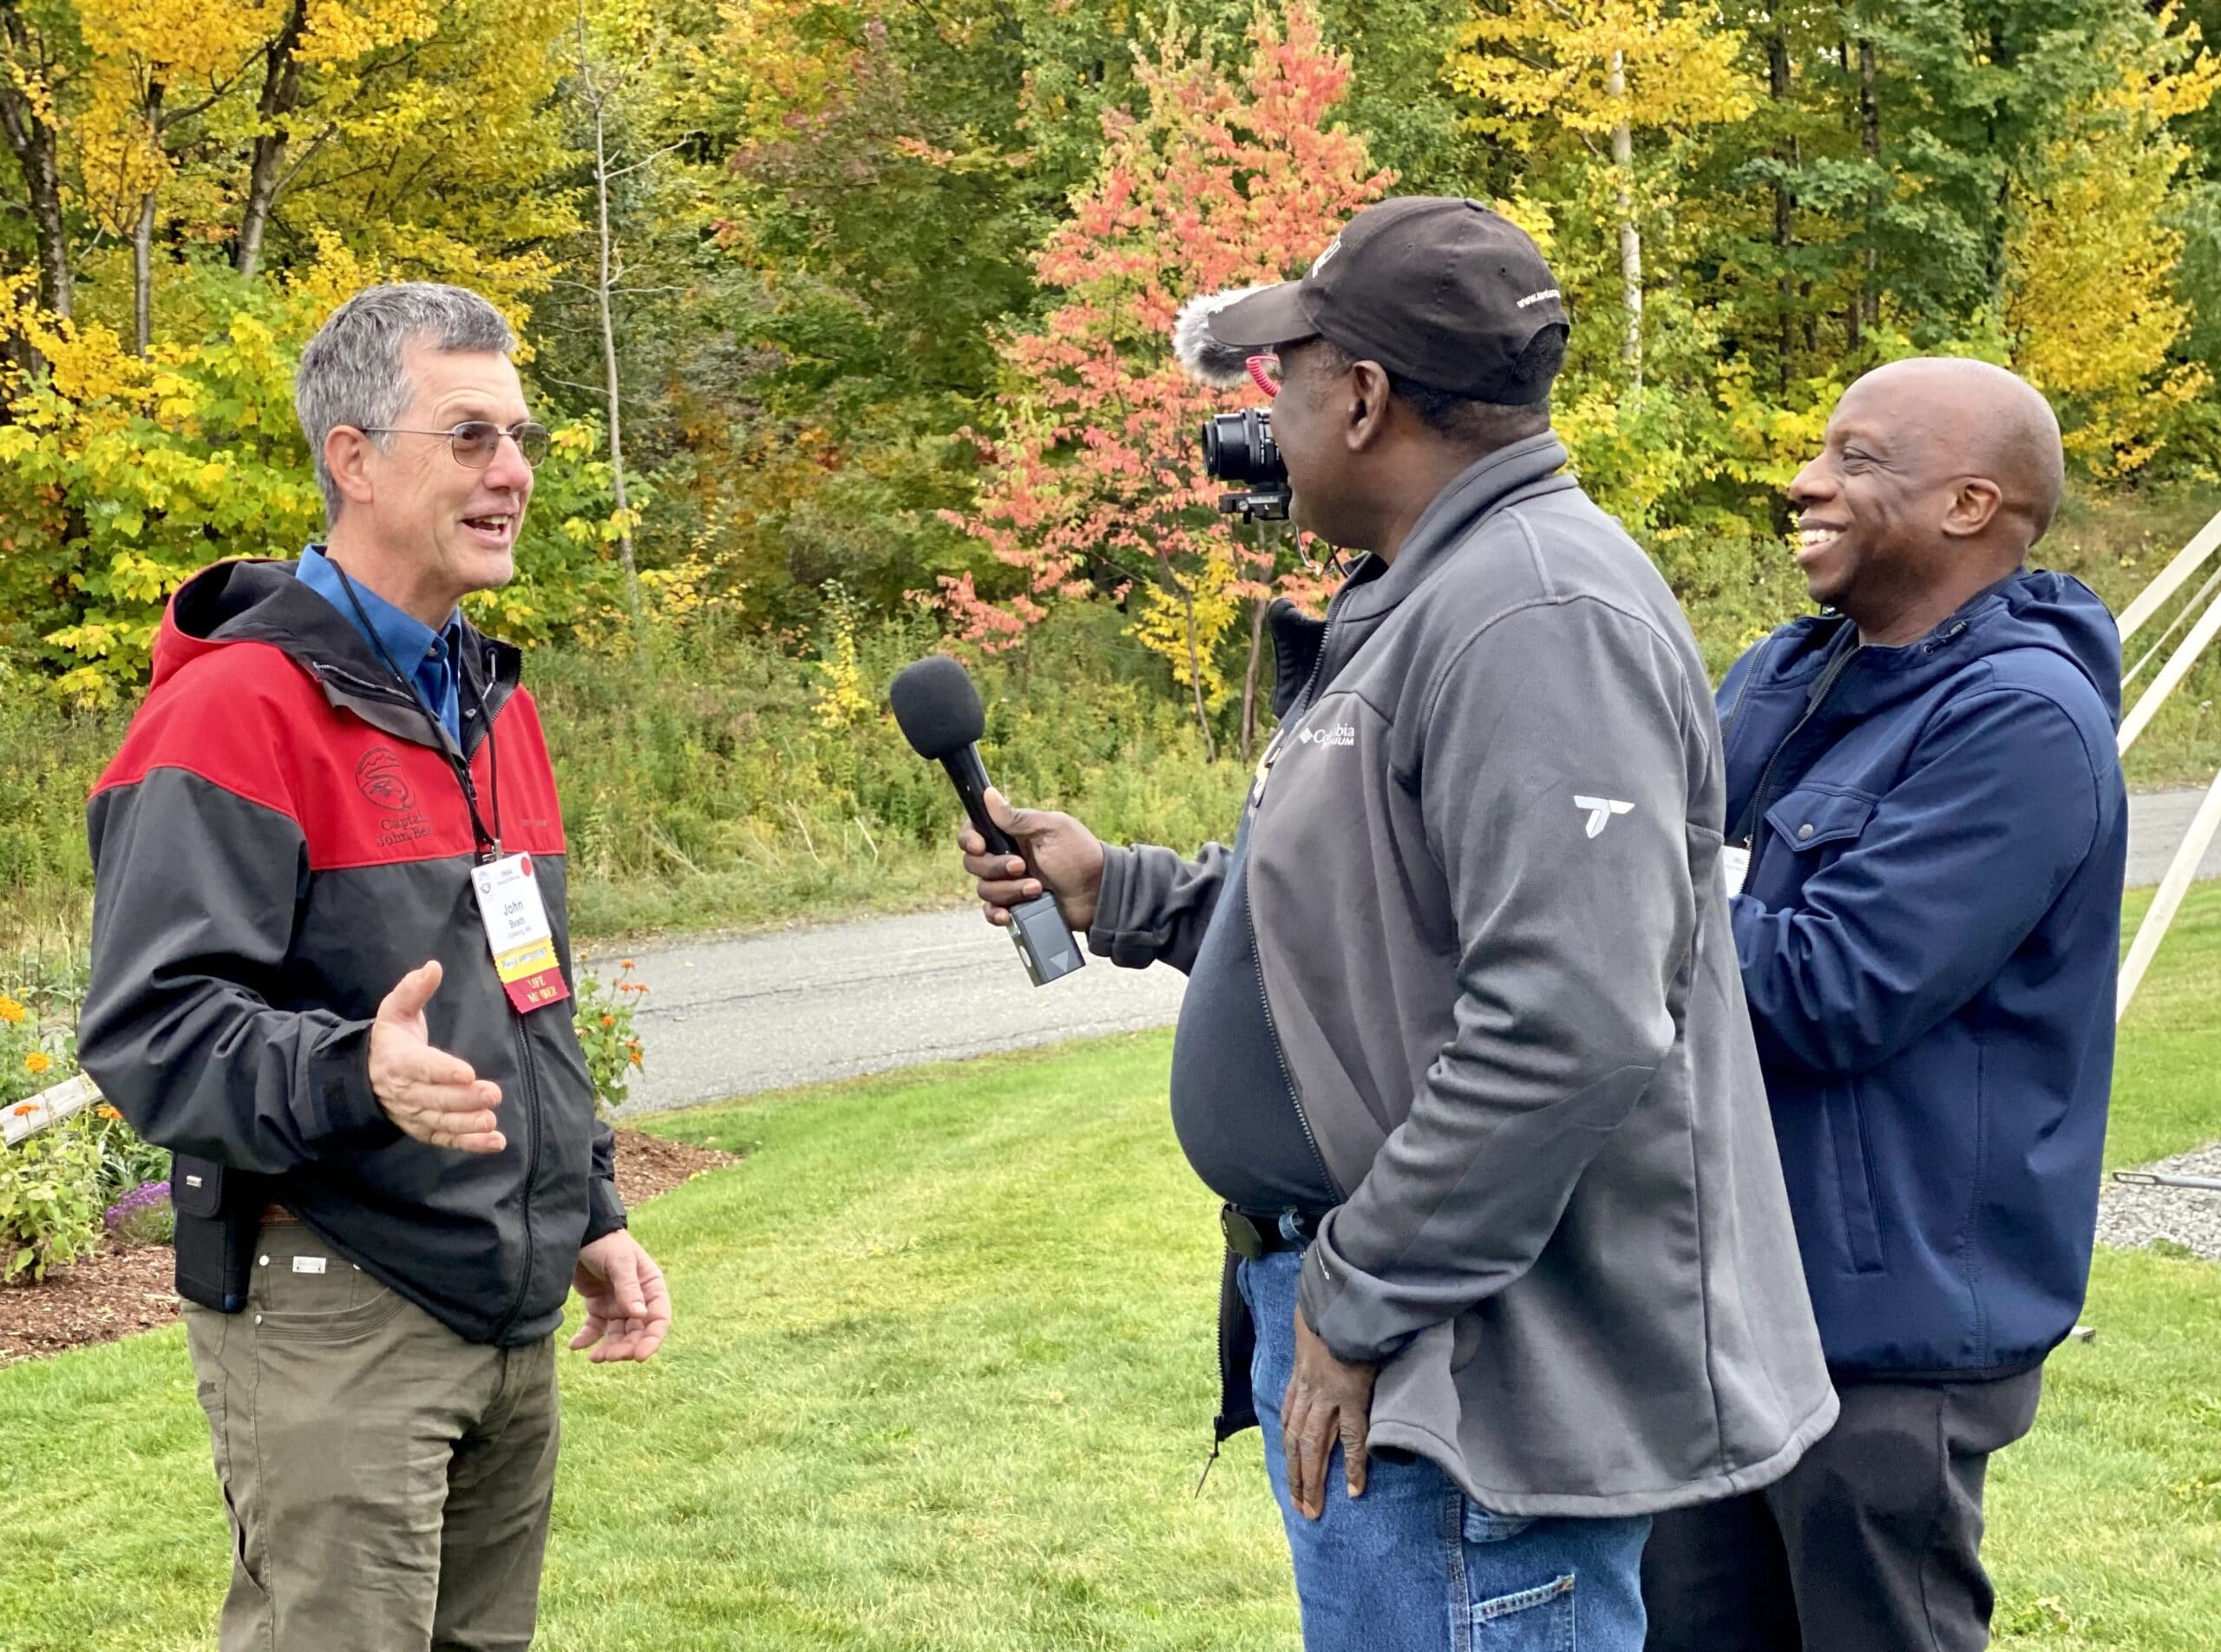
pixel 2130 1216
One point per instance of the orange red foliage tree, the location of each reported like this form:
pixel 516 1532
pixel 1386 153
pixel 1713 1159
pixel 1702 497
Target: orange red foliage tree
pixel 1095 479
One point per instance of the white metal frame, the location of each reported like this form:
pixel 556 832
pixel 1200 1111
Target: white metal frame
pixel 2205 825
pixel 49 1106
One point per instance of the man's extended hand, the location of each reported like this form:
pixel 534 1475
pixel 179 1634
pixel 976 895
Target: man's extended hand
pixel 1066 859
pixel 1327 1400
pixel 628 1308
pixel 435 1097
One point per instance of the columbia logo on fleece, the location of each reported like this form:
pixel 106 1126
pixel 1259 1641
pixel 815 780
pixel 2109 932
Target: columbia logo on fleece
pixel 1340 734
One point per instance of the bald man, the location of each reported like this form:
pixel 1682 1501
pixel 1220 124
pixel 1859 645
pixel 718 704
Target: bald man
pixel 1925 800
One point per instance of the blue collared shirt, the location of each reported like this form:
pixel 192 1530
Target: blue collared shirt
pixel 429 657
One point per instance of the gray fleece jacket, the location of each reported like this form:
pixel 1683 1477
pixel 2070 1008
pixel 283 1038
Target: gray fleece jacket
pixel 1483 873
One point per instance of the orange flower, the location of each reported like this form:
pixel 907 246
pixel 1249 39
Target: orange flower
pixel 24 1109
pixel 635 1057
pixel 105 1111
pixel 11 1011
pixel 609 1021
pixel 37 1061
pixel 624 963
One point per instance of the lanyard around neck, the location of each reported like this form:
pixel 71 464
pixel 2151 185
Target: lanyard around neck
pixel 488 843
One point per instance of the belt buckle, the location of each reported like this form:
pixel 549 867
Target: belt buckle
pixel 1243 1238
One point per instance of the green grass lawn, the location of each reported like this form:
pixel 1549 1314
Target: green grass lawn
pixel 942 1381
pixel 2167 1065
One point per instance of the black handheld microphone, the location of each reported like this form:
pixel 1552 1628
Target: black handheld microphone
pixel 941 717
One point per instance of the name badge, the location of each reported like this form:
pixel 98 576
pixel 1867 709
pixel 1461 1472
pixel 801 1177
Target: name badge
pixel 1734 867
pixel 517 933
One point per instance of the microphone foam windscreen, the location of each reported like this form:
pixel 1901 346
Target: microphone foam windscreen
pixel 937 707
pixel 1223 367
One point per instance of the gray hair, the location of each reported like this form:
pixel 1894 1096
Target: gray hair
pixel 352 372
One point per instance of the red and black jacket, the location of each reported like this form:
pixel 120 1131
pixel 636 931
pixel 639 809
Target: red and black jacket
pixel 278 841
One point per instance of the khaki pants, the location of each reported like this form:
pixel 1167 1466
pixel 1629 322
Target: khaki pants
pixel 388 1483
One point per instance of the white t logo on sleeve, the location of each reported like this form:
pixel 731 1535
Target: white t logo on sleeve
pixel 1600 811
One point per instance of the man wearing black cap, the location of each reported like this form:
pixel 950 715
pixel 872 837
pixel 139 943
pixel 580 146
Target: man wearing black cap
pixel 1464 1049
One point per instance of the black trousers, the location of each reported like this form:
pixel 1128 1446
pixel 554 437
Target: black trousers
pixel 1871 1544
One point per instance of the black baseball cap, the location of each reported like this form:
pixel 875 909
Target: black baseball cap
pixel 1435 289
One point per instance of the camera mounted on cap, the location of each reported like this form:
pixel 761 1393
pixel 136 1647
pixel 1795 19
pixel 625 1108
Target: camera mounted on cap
pixel 1239 447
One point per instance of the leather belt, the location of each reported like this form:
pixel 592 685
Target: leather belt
pixel 1252 1233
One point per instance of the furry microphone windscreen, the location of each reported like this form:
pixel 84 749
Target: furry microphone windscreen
pixel 1223 367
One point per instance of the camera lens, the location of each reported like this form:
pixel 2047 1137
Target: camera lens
pixel 1239 447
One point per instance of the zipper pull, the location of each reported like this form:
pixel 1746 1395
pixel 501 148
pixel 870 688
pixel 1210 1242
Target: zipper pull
pixel 1206 1474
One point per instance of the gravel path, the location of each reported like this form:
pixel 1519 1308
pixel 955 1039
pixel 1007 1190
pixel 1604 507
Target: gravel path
pixel 2129 1215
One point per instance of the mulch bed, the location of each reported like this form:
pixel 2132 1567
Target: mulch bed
pixel 118 1290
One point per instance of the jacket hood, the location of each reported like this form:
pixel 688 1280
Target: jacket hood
pixel 255 601
pixel 263 600
pixel 2035 609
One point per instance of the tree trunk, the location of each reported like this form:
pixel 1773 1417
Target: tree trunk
pixel 1268 537
pixel 603 282
pixel 1870 141
pixel 1783 204
pixel 142 277
pixel 142 235
pixel 1194 665
pixel 41 169
pixel 32 140
pixel 1630 237
pixel 281 95
pixel 1251 677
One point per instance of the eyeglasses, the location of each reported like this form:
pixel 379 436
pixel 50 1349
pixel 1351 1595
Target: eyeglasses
pixel 474 442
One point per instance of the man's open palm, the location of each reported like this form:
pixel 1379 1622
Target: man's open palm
pixel 436 1097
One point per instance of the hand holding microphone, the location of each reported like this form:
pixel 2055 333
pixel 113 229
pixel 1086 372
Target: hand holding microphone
pixel 941 717
pixel 1055 854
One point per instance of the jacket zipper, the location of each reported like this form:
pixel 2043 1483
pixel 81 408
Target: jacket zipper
pixel 1300 710
pixel 1727 723
pixel 1756 813
pixel 529 1071
pixel 1294 1091
pixel 526 1069
pixel 1296 712
pixel 531 1164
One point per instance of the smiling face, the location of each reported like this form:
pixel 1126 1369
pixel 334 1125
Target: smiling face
pixel 1877 509
pixel 443 529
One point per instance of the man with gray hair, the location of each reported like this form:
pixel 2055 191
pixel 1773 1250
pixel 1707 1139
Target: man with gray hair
pixel 331 974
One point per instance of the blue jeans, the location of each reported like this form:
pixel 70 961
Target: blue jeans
pixel 1415 1565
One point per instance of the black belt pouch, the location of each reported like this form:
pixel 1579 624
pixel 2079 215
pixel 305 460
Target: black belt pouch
pixel 218 1211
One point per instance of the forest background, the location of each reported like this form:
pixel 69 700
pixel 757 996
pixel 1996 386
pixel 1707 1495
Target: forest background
pixel 851 316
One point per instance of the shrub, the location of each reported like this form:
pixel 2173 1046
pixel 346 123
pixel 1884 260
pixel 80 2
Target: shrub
pixel 49 1199
pixel 55 1184
pixel 604 1019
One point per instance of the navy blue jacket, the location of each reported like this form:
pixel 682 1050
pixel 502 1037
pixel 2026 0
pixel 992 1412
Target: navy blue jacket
pixel 1929 937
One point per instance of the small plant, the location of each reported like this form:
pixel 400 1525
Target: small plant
pixel 142 1217
pixel 127 1161
pixel 34 1051
pixel 606 1033
pixel 56 1183
pixel 49 1199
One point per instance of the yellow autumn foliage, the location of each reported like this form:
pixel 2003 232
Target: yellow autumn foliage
pixel 2093 309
